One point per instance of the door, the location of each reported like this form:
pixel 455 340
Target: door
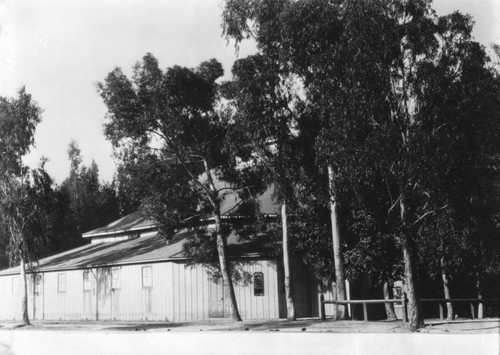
pixel 147 291
pixel 89 311
pixel 217 306
pixel 115 304
pixel 147 303
pixel 38 298
pixel 115 293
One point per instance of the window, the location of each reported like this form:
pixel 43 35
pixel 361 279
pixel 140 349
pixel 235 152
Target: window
pixel 115 279
pixel 15 285
pixel 147 279
pixel 87 285
pixel 38 284
pixel 258 284
pixel 61 283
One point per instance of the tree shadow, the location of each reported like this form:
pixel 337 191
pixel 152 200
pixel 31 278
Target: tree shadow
pixel 110 253
pixel 143 248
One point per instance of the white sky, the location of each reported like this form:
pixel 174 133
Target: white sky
pixel 59 49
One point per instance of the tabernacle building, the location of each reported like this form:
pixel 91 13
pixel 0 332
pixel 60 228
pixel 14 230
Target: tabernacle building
pixel 127 272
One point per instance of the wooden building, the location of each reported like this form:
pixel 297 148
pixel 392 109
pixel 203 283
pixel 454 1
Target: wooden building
pixel 127 272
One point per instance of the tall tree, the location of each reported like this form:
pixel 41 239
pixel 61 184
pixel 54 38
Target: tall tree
pixel 370 67
pixel 406 129
pixel 92 202
pixel 171 115
pixel 299 38
pixel 459 92
pixel 18 120
pixel 262 126
pixel 83 203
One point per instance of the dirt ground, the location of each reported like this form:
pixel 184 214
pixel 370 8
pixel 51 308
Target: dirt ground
pixel 305 336
pixel 433 326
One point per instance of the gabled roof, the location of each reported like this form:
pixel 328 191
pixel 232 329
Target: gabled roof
pixel 142 250
pixel 151 247
pixel 136 222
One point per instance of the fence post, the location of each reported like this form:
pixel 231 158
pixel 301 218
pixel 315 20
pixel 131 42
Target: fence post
pixel 405 315
pixel 365 312
pixel 441 311
pixel 480 308
pixel 322 307
pixel 472 310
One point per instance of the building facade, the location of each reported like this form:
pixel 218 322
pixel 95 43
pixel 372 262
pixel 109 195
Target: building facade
pixel 128 273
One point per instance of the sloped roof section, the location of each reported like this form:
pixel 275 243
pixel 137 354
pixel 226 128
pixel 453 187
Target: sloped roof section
pixel 131 222
pixel 141 250
pixel 136 222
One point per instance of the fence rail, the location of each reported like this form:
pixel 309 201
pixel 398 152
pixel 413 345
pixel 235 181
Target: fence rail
pixel 404 301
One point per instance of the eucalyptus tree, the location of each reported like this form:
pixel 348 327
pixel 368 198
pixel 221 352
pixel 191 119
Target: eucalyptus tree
pixel 262 126
pixel 431 123
pixel 459 95
pixel 295 36
pixel 83 202
pixel 93 203
pixel 400 63
pixel 373 68
pixel 169 118
pixel 18 120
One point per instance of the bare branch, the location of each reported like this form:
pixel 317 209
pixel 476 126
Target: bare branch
pixel 423 216
pixel 394 204
pixel 189 172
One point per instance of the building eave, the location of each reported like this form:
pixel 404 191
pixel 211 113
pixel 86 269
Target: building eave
pixel 249 256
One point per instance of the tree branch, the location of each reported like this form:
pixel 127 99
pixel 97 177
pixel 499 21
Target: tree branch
pixel 189 172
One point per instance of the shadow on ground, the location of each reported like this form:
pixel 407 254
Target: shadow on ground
pixel 491 326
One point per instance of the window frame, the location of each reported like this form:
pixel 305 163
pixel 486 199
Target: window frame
pixel 116 281
pixel 150 277
pixel 15 285
pixel 61 283
pixel 37 283
pixel 258 284
pixel 87 282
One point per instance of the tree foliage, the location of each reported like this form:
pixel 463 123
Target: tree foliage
pixel 168 121
pixel 407 110
pixel 18 120
pixel 83 203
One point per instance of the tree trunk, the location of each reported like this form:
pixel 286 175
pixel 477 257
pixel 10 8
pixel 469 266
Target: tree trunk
pixel 221 246
pixel 389 307
pixel 414 307
pixel 446 290
pixel 290 307
pixel 24 295
pixel 226 276
pixel 337 248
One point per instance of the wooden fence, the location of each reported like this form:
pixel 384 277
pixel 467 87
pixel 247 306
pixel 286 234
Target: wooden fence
pixel 404 302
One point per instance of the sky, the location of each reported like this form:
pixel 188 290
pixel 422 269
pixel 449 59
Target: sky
pixel 60 49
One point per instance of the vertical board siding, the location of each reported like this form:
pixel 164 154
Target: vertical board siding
pixel 201 297
pixel 178 293
pixel 188 293
pixel 257 307
pixel 329 294
pixel 11 305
